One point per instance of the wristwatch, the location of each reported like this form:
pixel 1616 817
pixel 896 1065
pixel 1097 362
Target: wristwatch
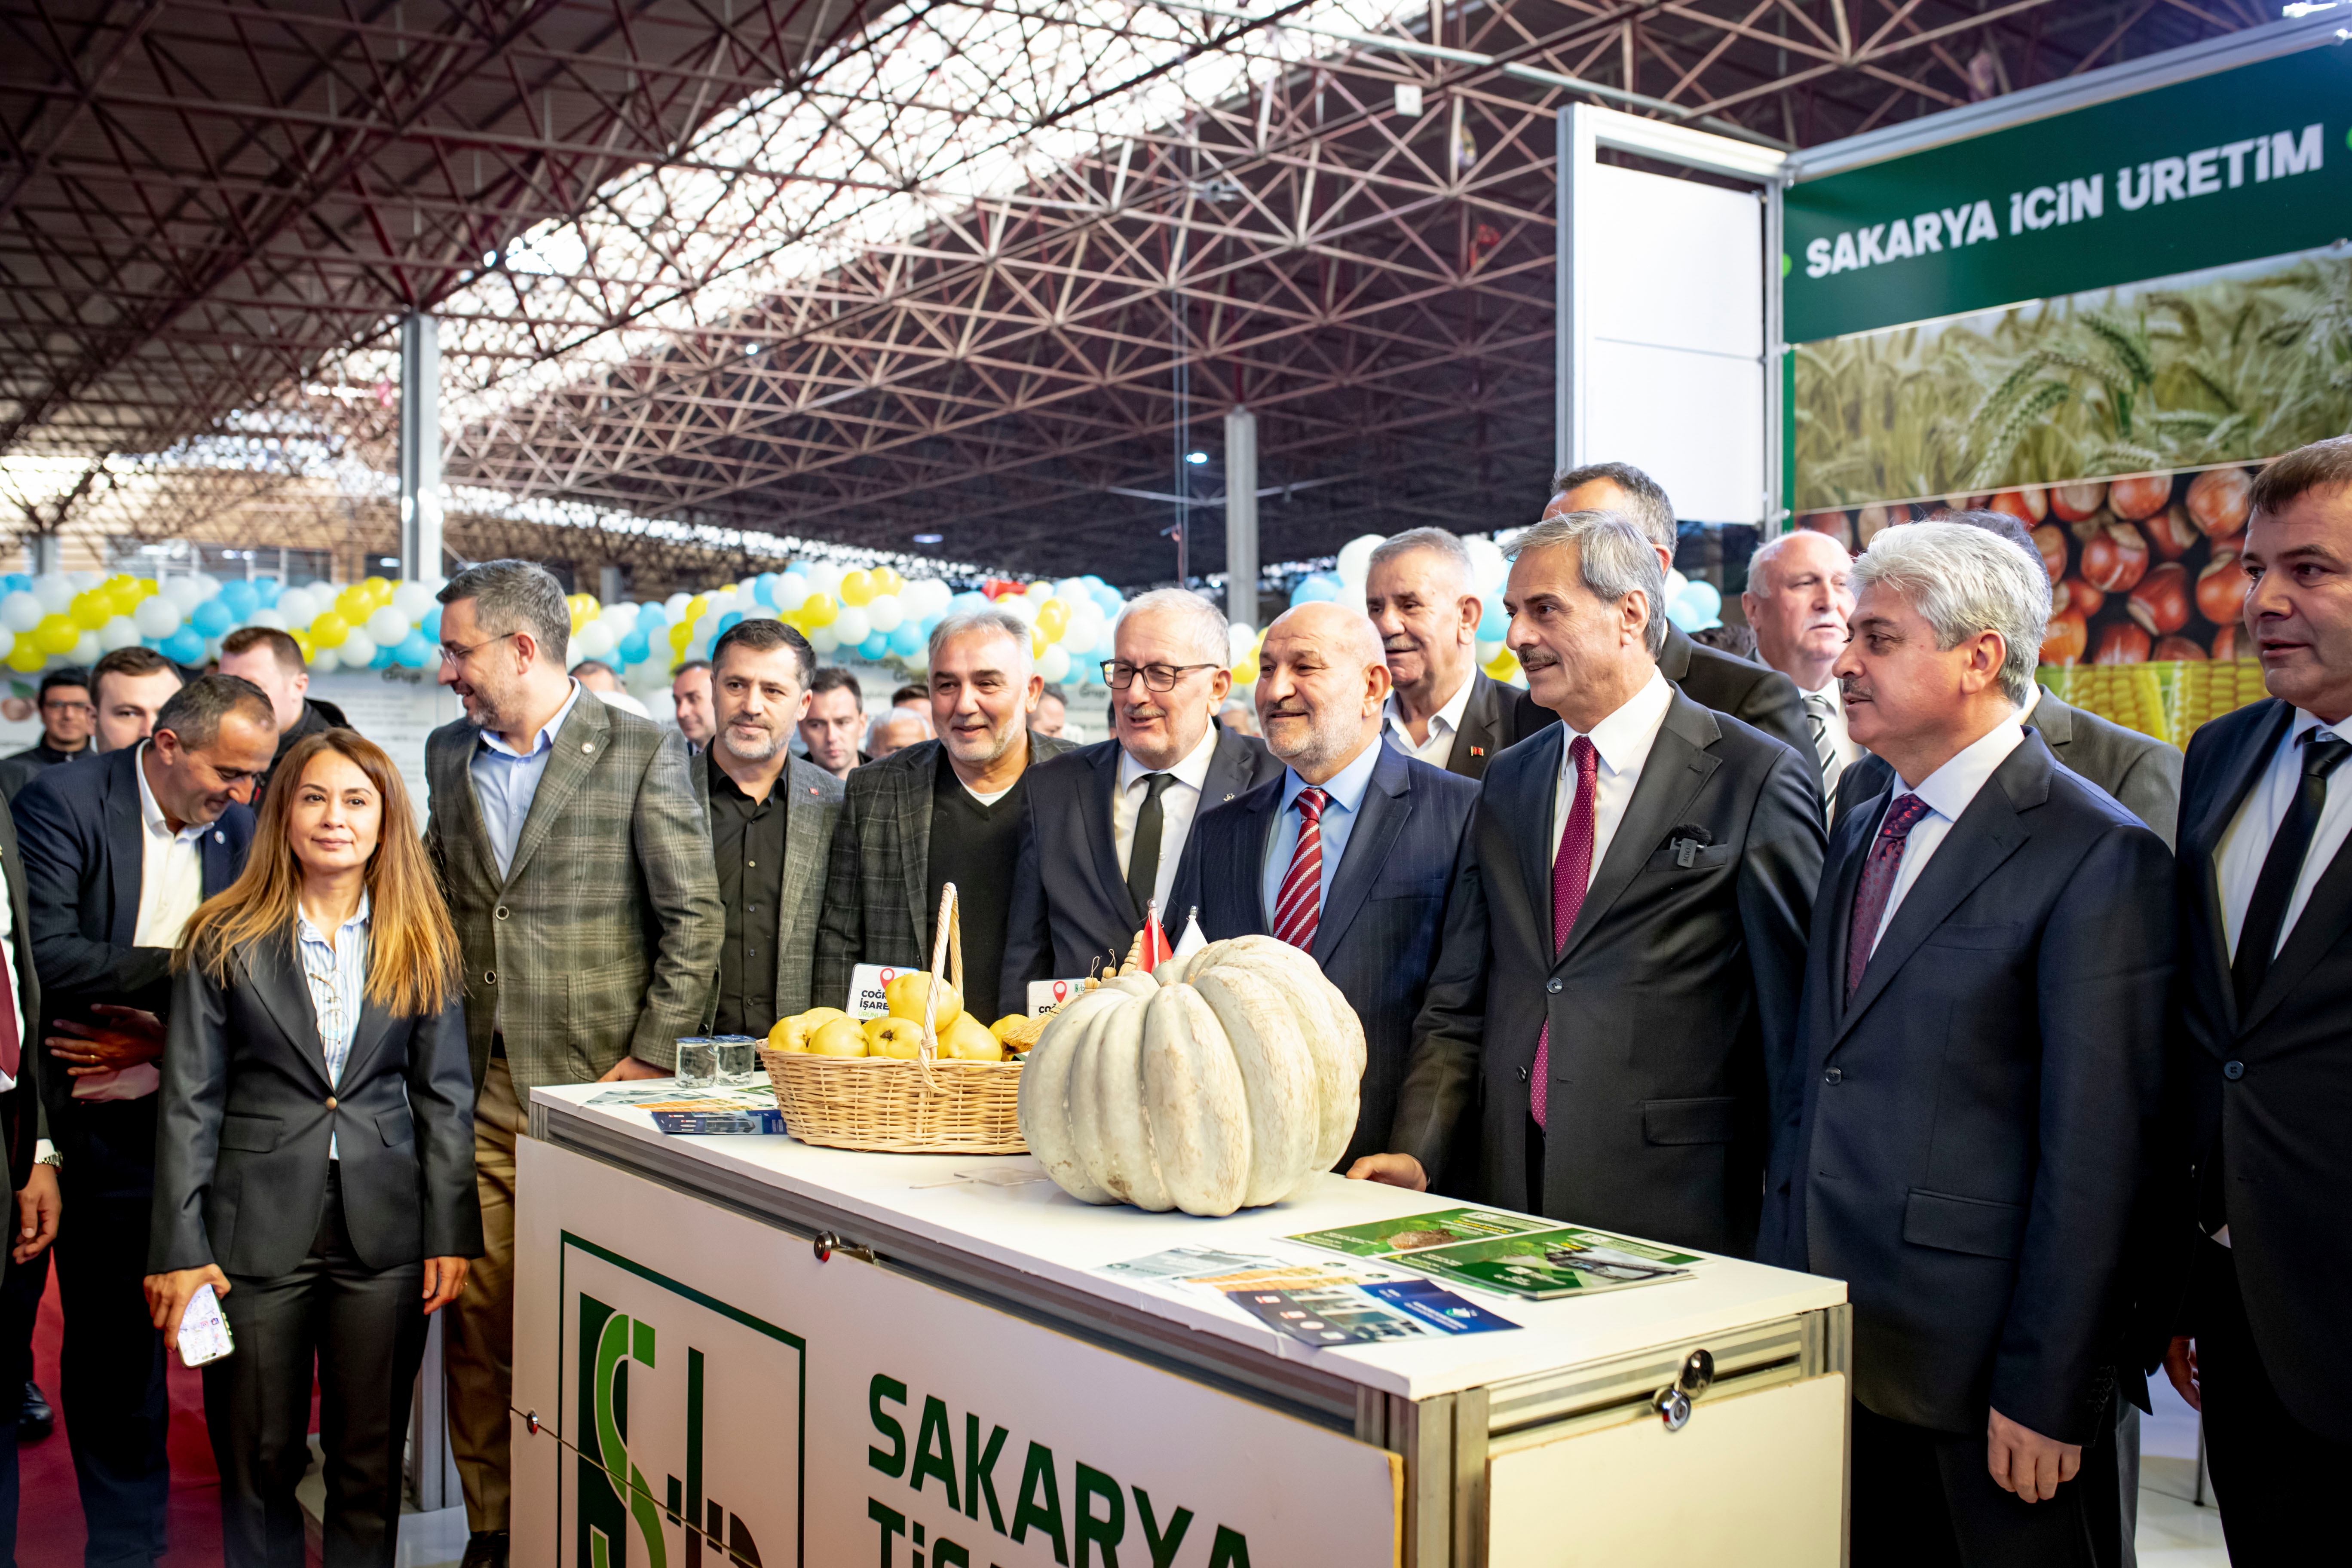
pixel 46 1154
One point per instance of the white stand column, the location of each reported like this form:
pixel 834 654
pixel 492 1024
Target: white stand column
pixel 420 448
pixel 1241 516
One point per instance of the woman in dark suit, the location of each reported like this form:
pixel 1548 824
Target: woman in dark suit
pixel 315 1156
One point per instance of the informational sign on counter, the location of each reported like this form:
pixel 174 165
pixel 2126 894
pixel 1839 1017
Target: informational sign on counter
pixel 693 1369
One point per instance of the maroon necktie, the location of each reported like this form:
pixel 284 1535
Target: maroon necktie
pixel 1571 873
pixel 1298 907
pixel 1878 884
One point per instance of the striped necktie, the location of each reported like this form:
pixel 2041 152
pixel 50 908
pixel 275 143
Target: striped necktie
pixel 1298 908
pixel 1818 713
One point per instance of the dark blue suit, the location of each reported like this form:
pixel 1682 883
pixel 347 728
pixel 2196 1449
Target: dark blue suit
pixel 1378 938
pixel 80 830
pixel 1070 905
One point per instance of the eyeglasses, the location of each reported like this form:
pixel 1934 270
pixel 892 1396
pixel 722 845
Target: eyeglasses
pixel 84 709
pixel 452 654
pixel 1119 677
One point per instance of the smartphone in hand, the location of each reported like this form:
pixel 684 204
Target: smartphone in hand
pixel 203 1332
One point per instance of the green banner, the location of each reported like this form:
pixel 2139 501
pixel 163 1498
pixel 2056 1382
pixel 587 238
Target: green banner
pixel 2245 163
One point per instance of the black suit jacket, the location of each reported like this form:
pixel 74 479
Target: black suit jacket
pixel 1492 721
pixel 1378 938
pixel 2139 770
pixel 23 1120
pixel 1673 1010
pixel 80 829
pixel 1756 694
pixel 1070 903
pixel 2285 1119
pixel 1972 1143
pixel 248 1111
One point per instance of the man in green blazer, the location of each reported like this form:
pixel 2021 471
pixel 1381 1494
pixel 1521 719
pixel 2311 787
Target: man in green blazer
pixel 577 866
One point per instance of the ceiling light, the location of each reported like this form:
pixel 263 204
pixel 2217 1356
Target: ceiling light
pixel 1196 458
pixel 929 538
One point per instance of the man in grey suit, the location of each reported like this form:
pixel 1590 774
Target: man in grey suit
pixel 1750 692
pixel 1364 837
pixel 1639 875
pixel 936 812
pixel 771 819
pixel 577 867
pixel 1106 831
pixel 1982 1047
pixel 2139 770
pixel 1442 708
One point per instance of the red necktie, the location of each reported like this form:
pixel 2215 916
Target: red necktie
pixel 1877 884
pixel 1298 908
pixel 1571 873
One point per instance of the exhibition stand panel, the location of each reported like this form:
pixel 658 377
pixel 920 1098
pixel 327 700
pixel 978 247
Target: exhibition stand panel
pixel 749 1346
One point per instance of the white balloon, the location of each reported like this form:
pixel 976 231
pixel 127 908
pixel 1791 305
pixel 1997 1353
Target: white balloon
pixel 412 600
pixel 647 675
pixel 326 661
pixel 790 589
pixel 571 654
pixel 357 649
pixel 86 650
pixel 387 626
pixel 84 582
pixel 298 606
pixel 622 618
pixel 595 640
pixel 1037 593
pixel 56 592
pixel 661 705
pixel 1355 558
pixel 7 642
pixel 207 586
pixel 119 631
pixel 185 591
pixel 852 624
pixel 1240 637
pixel 156 616
pixel 721 602
pixel 20 611
pixel 1072 589
pixel 1054 664
pixel 1079 637
pixel 273 618
pixel 1023 607
pixel 1487 568
pixel 884 613
pixel 822 576
pixel 1487 651
pixel 824 639
pixel 675 605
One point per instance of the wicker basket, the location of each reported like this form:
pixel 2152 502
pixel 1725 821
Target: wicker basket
pixel 927 1106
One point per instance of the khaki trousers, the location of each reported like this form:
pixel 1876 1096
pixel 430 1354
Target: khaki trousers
pixel 478 1350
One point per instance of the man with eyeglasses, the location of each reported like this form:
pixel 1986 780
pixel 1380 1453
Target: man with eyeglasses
pixel 117 852
pixel 577 871
pixel 66 718
pixel 1109 828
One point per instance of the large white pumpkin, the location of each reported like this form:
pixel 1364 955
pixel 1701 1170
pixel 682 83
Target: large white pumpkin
pixel 1227 1081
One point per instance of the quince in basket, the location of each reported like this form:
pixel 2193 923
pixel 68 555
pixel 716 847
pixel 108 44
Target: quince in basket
pixel 904 996
pixel 838 1037
pixel 792 1034
pixel 969 1041
pixel 898 1037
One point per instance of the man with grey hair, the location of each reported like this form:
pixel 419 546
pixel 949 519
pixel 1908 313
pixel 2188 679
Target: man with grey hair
pixel 1107 833
pixel 936 812
pixel 2140 770
pixel 1443 707
pixel 1799 593
pixel 1349 852
pixel 537 796
pixel 1748 691
pixel 1617 993
pixel 1976 1185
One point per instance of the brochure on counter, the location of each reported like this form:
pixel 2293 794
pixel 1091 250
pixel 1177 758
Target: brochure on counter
pixel 1315 1301
pixel 1515 1254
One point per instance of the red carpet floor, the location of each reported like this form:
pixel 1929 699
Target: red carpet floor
pixel 49 1527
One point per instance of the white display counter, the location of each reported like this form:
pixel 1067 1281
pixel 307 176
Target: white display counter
pixel 955 1384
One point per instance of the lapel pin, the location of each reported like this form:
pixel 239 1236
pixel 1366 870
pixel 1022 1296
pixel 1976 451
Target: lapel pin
pixel 219 837
pixel 1229 796
pixel 1477 751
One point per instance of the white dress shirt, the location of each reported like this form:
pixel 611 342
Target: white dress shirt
pixel 1444 725
pixel 171 885
pixel 1179 803
pixel 336 973
pixel 2238 859
pixel 1946 793
pixel 1623 740
pixel 1343 802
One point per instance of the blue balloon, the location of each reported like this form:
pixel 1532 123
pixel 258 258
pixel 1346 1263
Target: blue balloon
pixel 763 589
pixel 414 652
pixel 635 648
pixel 431 625
pixel 1107 598
pixel 725 621
pixel 185 645
pixel 908 640
pixel 16 582
pixel 1314 588
pixel 212 618
pixel 875 645
pixel 266 591
pixel 240 599
pixel 1495 621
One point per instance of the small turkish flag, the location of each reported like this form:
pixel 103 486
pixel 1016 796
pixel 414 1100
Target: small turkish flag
pixel 1156 948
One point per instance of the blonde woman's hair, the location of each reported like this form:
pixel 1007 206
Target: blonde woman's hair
pixel 412 959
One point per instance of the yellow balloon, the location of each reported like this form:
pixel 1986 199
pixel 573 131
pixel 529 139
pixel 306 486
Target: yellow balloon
pixel 306 642
pixel 694 609
pixel 1054 619
pixel 353 605
pixel 24 658
pixel 147 588
pixel 55 634
pixel 819 610
pixel 680 635
pixel 379 590
pixel 1504 664
pixel 331 630
pixel 886 582
pixel 1245 672
pixel 1037 643
pixel 90 611
pixel 857 587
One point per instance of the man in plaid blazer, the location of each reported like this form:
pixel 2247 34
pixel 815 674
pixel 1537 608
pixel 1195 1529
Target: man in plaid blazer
pixel 948 810
pixel 577 867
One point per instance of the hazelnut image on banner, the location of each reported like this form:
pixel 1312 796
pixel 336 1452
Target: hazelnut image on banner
pixel 2218 500
pixel 2116 557
pixel 2221 589
pixel 2074 503
pixel 2140 496
pixel 2178 650
pixel 2121 643
pixel 2075 595
pixel 2160 603
pixel 2065 638
pixel 2051 540
pixel 2172 531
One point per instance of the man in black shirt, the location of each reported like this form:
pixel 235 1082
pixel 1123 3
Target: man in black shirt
pixel 67 716
pixel 771 818
pixel 940 811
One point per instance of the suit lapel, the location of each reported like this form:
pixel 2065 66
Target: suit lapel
pixel 2054 722
pixel 1481 735
pixel 219 866
pixel 804 868
pixel 913 811
pixel 1537 841
pixel 2202 841
pixel 126 844
pixel 577 746
pixel 1386 806
pixel 1227 780
pixel 1986 834
pixel 1095 826
pixel 277 968
pixel 1678 767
